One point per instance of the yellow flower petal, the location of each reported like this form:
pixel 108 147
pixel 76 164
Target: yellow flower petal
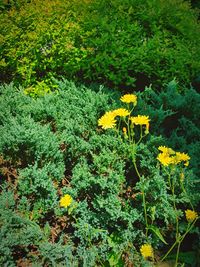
pixel 191 215
pixel 107 120
pixel 122 112
pixel 169 156
pixel 182 157
pixel 164 159
pixel 65 201
pixel 147 251
pixel 129 98
pixel 140 120
pixel 166 150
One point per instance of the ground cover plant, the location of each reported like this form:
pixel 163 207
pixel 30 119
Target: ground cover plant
pixel 121 43
pixel 170 117
pixel 91 176
pixel 87 179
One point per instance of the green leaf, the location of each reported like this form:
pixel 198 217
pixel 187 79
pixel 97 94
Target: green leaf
pixel 115 259
pixel 157 232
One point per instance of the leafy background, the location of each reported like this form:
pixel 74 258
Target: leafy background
pixel 51 144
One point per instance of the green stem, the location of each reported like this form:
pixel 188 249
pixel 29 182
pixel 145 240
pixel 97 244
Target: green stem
pixel 141 136
pixel 171 185
pixel 128 130
pixel 183 188
pixel 165 256
pixel 169 181
pixel 143 199
pixel 119 124
pixel 188 229
pixel 145 212
pixel 177 253
pixel 180 240
pixel 174 203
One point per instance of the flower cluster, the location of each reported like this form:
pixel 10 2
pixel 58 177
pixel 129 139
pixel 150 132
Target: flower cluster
pixel 168 156
pixel 66 201
pixel 191 215
pixel 123 118
pixel 147 251
pixel 108 120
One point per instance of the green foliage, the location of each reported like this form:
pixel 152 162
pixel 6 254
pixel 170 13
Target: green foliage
pixel 51 146
pixel 162 189
pixel 175 115
pixel 40 89
pixel 142 40
pixel 195 3
pixel 123 43
pixel 40 41
pixel 22 239
pixel 7 4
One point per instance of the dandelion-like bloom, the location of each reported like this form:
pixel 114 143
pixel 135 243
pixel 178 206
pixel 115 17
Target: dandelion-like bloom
pixel 182 157
pixel 122 112
pixel 166 150
pixel 165 159
pixel 146 251
pixel 140 120
pixel 169 156
pixel 107 120
pixel 129 98
pixel 191 215
pixel 65 201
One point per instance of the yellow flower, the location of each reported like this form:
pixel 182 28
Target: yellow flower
pixel 191 215
pixel 166 150
pixel 107 120
pixel 140 120
pixel 164 159
pixel 122 112
pixel 65 201
pixel 182 157
pixel 146 251
pixel 129 98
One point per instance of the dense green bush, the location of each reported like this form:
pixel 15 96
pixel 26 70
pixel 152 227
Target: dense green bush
pixel 175 115
pixel 123 43
pixel 7 4
pixel 24 242
pixel 142 41
pixel 38 41
pixel 51 146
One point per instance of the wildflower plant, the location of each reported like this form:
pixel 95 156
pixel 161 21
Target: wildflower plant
pixel 75 193
pixel 171 165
